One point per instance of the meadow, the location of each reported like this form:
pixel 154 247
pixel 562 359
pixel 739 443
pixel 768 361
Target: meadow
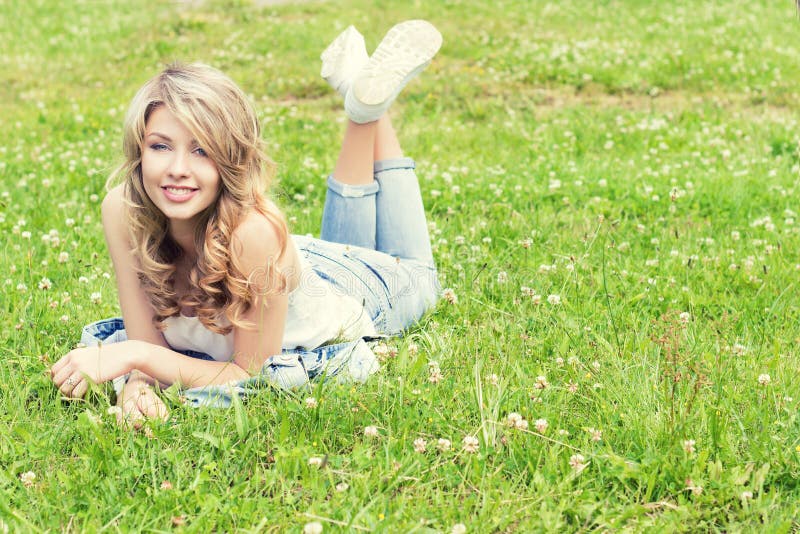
pixel 612 197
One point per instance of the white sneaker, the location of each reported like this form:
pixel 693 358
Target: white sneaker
pixel 405 51
pixel 343 59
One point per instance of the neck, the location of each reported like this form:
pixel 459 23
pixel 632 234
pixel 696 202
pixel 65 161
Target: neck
pixel 183 235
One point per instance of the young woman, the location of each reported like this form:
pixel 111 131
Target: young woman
pixel 212 287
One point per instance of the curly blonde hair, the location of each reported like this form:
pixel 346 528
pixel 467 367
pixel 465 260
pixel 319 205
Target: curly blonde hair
pixel 218 114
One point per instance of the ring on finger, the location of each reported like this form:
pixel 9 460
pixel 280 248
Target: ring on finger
pixel 70 381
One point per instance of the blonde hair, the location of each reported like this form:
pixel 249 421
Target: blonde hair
pixel 219 116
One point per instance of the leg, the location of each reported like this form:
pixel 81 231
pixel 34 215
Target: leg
pixel 349 213
pixel 401 228
pixel 354 166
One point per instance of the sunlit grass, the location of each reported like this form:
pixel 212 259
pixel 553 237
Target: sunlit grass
pixel 612 195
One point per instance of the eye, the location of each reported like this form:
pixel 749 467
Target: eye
pixel 200 152
pixel 159 147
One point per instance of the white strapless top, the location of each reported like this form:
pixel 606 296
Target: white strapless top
pixel 317 313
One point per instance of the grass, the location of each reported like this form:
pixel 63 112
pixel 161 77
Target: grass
pixel 638 162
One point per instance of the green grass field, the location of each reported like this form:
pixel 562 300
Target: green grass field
pixel 612 192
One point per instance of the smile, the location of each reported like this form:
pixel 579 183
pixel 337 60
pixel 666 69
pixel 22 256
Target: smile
pixel 178 194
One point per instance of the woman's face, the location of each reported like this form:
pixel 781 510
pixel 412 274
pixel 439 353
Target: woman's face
pixel 178 176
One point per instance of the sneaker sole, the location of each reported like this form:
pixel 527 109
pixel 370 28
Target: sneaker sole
pixel 405 51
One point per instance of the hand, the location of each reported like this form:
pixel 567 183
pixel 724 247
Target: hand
pixel 72 373
pixel 137 402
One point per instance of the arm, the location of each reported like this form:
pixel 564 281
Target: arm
pixel 254 251
pixel 136 310
pixel 255 246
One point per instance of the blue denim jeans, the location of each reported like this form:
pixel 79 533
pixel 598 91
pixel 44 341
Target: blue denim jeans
pixel 343 362
pixel 374 247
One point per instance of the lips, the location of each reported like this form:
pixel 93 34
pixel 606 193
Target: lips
pixel 178 193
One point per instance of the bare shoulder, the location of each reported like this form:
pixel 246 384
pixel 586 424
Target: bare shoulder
pixel 255 233
pixel 112 211
pixel 113 199
pixel 257 242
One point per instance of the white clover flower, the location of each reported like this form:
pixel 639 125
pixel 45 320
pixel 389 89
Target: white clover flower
pixel 577 462
pixel 381 350
pixel 449 295
pixel 747 495
pixel 314 527
pixel 315 461
pixel 471 444
pixel 435 374
pixel 764 379
pixel 513 418
pixel 541 425
pixel 739 349
pixel 541 382
pixel 443 444
pixel 45 284
pixel 63 257
pixel 27 478
pixel 459 528
pixel 420 445
pixel 494 379
pixel 555 300
pixel 371 431
pixel 311 403
pixel 502 277
pixel 342 486
pixel 688 446
pixel 96 297
pixel 685 317
pixel 597 435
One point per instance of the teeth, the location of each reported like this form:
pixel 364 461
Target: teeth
pixel 179 191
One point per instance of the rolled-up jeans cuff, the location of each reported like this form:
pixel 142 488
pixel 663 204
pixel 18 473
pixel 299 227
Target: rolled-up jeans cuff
pixel 352 191
pixel 394 163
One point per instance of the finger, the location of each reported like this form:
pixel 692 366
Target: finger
pixel 61 376
pixel 59 364
pixel 151 405
pixel 130 416
pixel 68 386
pixel 80 389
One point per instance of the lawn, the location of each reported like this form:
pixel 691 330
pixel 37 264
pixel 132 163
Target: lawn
pixel 612 196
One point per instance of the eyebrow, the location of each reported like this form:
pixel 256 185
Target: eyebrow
pixel 168 138
pixel 162 136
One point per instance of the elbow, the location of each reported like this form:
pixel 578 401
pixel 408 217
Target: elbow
pixel 239 373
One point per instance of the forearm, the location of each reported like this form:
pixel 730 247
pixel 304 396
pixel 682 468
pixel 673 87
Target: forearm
pixel 167 367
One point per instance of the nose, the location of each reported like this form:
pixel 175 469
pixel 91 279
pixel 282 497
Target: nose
pixel 179 165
